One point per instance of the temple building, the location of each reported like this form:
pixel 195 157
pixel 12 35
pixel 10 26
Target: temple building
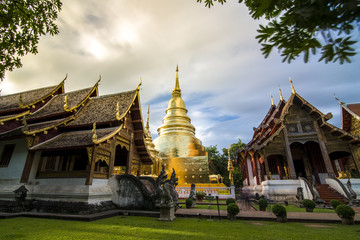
pixel 66 146
pixel 177 145
pixel 295 141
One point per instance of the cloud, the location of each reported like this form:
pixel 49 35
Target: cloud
pixel 225 81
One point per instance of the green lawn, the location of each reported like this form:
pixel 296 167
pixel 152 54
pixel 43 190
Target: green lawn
pixel 182 228
pixel 293 208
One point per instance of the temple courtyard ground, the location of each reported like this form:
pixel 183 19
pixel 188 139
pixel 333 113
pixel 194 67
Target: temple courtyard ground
pixel 138 227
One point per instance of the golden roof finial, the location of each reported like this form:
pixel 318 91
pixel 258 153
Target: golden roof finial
pixel 281 96
pixel 147 118
pixel 272 100
pixel 94 137
pixel 292 86
pixel 117 111
pixel 65 77
pixel 66 106
pixel 340 102
pixel 138 87
pixel 229 153
pixel 177 85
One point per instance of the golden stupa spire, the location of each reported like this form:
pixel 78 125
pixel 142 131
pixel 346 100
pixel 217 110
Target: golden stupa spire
pixel 177 90
pixel 281 96
pixel 272 100
pixel 292 86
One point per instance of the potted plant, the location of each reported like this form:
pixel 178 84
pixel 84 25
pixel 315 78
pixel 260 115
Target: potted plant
pixel 200 196
pixel 346 214
pixel 230 200
pixel 262 204
pixel 188 202
pixel 309 205
pixel 232 210
pixel 334 203
pixel 280 213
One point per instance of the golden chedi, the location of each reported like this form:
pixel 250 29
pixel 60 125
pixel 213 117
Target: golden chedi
pixel 177 145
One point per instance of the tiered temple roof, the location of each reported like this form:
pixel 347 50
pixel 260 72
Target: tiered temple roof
pixel 52 119
pixel 272 123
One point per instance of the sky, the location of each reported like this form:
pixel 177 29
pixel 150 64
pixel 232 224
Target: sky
pixel 225 80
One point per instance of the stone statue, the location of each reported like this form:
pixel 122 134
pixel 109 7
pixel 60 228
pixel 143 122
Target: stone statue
pixel 169 196
pixel 300 194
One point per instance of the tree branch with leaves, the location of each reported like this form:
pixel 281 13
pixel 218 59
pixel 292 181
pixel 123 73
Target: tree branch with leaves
pixel 22 22
pixel 306 27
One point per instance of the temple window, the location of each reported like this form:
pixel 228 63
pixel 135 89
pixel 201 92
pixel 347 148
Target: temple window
pixel 64 161
pixel 6 155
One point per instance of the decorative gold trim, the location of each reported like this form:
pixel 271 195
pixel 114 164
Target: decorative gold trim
pixel 32 104
pixel 89 152
pixel 14 117
pixel 94 137
pixel 29 141
pixel 117 111
pixel 94 88
pixel 45 130
pixel 106 137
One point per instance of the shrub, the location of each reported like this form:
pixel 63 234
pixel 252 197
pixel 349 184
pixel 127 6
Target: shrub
pixel 233 209
pixel 188 202
pixel 307 203
pixel 334 203
pixel 345 211
pixel 200 194
pixel 230 200
pixel 262 203
pixel 279 210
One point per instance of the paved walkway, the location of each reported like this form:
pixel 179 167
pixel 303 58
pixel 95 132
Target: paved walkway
pixel 197 213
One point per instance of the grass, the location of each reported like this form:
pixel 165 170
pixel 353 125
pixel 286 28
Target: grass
pixel 293 208
pixel 182 228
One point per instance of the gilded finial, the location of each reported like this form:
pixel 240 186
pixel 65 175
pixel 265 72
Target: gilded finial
pixel 340 102
pixel 65 77
pixel 229 152
pixel 138 87
pixel 66 106
pixel 147 118
pixel 177 89
pixel 94 137
pixel 99 79
pixel 117 111
pixel 281 96
pixel 292 86
pixel 272 100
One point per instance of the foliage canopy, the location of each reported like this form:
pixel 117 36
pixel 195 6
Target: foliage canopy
pixel 22 22
pixel 304 27
pixel 219 162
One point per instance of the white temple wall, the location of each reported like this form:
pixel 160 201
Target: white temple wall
pixel 16 165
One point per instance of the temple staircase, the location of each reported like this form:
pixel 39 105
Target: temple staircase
pixel 327 194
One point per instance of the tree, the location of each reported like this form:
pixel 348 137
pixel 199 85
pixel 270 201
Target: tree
pixel 304 27
pixel 219 162
pixel 22 22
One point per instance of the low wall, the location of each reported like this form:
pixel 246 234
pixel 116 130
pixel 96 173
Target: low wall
pixel 221 192
pixel 280 190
